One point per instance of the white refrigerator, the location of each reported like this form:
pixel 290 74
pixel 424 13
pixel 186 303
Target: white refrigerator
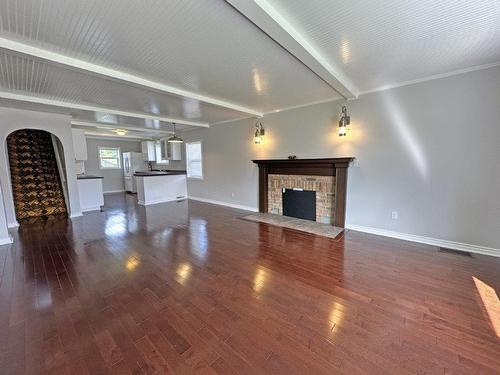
pixel 132 162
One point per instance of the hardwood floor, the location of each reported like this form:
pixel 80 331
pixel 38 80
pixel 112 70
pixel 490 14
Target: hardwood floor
pixel 190 288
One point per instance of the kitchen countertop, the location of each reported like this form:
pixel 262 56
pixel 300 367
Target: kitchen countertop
pixel 157 173
pixel 87 177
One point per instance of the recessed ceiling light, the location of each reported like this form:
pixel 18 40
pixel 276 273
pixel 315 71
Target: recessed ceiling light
pixel 120 131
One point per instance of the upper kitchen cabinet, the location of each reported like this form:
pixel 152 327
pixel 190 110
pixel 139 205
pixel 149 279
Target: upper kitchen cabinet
pixel 148 150
pixel 171 151
pixel 79 144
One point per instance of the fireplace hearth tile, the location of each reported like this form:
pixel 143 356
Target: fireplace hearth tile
pixel 308 226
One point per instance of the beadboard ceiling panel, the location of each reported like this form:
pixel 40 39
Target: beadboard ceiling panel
pixel 384 43
pixel 22 74
pixel 203 46
pixel 210 49
pixel 98 117
pixel 105 118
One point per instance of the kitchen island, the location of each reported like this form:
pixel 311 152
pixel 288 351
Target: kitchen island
pixel 159 187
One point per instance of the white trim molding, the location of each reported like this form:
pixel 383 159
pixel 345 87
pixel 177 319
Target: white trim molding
pixel 90 209
pixel 93 108
pixel 282 31
pixel 112 126
pixel 138 138
pixel 157 201
pixel 14 224
pixel 6 240
pixel 76 214
pixel 427 240
pixel 221 203
pixel 105 137
pixel 430 78
pixel 113 191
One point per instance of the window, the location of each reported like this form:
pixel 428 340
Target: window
pixel 109 158
pixel 193 160
pixel 160 154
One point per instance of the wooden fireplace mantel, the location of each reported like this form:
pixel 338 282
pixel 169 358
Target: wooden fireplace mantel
pixel 309 167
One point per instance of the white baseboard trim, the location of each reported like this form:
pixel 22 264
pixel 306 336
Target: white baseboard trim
pixel 113 191
pixel 14 224
pixel 142 203
pixel 76 214
pixel 220 203
pixel 427 240
pixel 6 240
pixel 89 209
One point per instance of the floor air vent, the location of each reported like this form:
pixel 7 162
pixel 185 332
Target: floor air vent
pixel 456 252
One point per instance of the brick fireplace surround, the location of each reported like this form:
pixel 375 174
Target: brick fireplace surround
pixel 327 177
pixel 324 186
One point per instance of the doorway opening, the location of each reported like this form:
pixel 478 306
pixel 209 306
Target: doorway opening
pixel 37 175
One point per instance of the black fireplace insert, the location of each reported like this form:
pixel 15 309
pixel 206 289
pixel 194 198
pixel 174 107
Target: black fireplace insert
pixel 299 203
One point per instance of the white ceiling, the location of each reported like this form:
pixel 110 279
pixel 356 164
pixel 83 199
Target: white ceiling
pixel 380 43
pixel 42 79
pixel 205 62
pixel 206 47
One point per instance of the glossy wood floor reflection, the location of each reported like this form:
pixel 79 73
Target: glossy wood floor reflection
pixel 190 288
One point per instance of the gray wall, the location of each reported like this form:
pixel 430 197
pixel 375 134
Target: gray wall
pixel 430 151
pixel 113 178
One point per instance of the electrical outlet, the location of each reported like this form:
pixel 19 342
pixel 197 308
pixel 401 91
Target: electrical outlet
pixel 395 215
pixel 232 194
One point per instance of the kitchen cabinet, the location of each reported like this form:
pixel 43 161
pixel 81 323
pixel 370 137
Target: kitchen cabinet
pixel 90 193
pixel 171 151
pixel 79 144
pixel 148 150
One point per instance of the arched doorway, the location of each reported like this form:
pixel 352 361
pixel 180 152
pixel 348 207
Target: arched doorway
pixel 35 175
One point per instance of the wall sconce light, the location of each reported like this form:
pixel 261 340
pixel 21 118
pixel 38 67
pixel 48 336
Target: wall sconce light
pixel 259 133
pixel 344 122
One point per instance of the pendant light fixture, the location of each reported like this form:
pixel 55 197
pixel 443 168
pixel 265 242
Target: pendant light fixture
pixel 174 138
pixel 259 133
pixel 344 122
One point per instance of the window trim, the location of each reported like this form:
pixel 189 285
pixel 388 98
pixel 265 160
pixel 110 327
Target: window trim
pixel 99 148
pixel 201 160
